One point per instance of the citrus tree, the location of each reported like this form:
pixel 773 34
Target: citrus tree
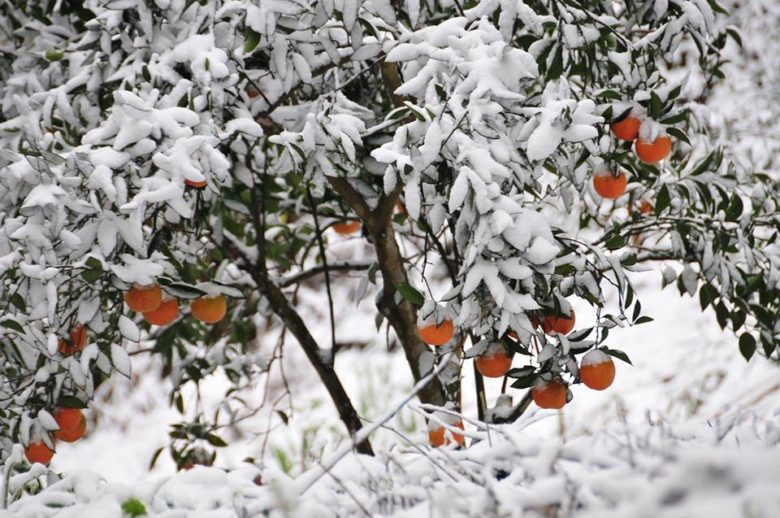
pixel 174 170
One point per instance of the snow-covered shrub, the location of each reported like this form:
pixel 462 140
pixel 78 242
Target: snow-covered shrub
pixel 487 121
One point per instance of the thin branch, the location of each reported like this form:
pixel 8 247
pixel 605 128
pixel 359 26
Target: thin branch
pixel 345 266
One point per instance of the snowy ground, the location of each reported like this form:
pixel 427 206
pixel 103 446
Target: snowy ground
pixel 689 430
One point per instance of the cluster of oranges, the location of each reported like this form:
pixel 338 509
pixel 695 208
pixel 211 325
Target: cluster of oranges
pixel 157 308
pixel 160 309
pixel 494 362
pixel 612 186
pixel 72 427
pixel 597 370
pixel 346 227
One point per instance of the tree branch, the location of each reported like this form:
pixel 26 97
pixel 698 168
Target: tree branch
pixel 345 266
pixel 401 316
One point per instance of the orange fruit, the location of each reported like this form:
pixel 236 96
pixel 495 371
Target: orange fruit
pixel 610 186
pixel 551 394
pixel 597 370
pixel 165 313
pixel 440 334
pixel 209 309
pixel 38 452
pixel 73 424
pixel 78 339
pixel 346 228
pixel 558 324
pixel 626 129
pixel 494 363
pixel 252 92
pixel 645 207
pixel 655 151
pixel 440 436
pixel 195 184
pixel 144 298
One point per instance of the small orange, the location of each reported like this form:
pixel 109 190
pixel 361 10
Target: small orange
pixel 346 228
pixel 551 394
pixel 144 298
pixel 610 186
pixel 209 309
pixel 38 452
pixel 558 324
pixel 653 152
pixel 72 423
pixel 494 363
pixel 195 184
pixel 78 339
pixel 440 436
pixel 645 207
pixel 440 334
pixel 252 92
pixel 597 370
pixel 165 313
pixel 626 129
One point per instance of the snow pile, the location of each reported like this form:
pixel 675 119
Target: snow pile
pixel 657 469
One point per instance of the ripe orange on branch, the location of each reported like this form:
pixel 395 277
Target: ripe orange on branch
pixel 597 370
pixel 655 151
pixel 626 129
pixel 433 334
pixel 209 309
pixel 558 324
pixel 38 452
pixel 78 339
pixel 439 436
pixel 550 394
pixel 195 184
pixel 346 228
pixel 494 363
pixel 144 298
pixel 165 313
pixel 608 185
pixel 72 423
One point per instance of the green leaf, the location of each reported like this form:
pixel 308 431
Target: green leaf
pixel 737 319
pixel 643 320
pixel 679 134
pixel 12 324
pixel 70 402
pixel 215 440
pixel 53 55
pixel 675 119
pixel 615 242
pixel 134 507
pixel 91 275
pixel 181 289
pixel 662 201
pixel 617 353
pixel 155 456
pixel 251 40
pixel 747 345
pixel 521 372
pixel 413 296
pixel 655 106
pixel 18 301
pixel 735 208
pixel 525 382
pixel 94 263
